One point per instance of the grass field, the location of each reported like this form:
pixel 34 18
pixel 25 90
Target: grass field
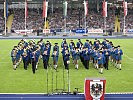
pixel 23 81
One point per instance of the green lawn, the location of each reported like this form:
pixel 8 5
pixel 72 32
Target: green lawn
pixel 22 81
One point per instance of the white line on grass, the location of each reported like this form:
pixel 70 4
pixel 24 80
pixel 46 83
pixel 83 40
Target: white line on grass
pixel 128 57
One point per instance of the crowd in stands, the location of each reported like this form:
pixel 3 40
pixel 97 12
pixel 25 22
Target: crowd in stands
pixel 33 20
pixel 1 20
pixel 74 20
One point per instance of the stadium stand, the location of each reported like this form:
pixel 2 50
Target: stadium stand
pixel 94 20
pixel 1 21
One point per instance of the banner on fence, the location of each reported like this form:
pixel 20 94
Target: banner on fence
pixel 23 31
pixel 95 30
pixel 46 30
pixel 129 30
pixel 82 31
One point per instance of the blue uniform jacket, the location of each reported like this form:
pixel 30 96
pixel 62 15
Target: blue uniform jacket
pixel 45 56
pixel 66 57
pixel 95 56
pixel 118 54
pixel 25 57
pixel 55 57
pixel 86 55
pixel 76 55
pixel 87 45
pixel 105 53
pixel 101 59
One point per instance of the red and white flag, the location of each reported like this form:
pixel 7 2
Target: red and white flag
pixel 104 9
pixel 125 8
pixel 26 9
pixel 45 9
pixel 86 7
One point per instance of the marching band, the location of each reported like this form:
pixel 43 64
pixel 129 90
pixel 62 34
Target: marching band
pixel 97 53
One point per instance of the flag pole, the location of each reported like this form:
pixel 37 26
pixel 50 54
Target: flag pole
pixel 5 15
pixel 124 26
pixel 85 24
pixel 45 27
pixel 124 18
pixel 5 26
pixel 65 25
pixel 86 12
pixel 105 28
pixel 45 8
pixel 65 15
pixel 105 15
pixel 25 16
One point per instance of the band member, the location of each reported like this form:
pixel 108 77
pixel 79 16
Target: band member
pixel 71 45
pixel 13 55
pixel 111 54
pixel 76 57
pixel 91 53
pixel 66 58
pixel 95 58
pixel 106 53
pixel 38 53
pixel 86 55
pixel 104 42
pixel 64 44
pixel 82 55
pixel 101 59
pixel 25 58
pixel 79 44
pixel 25 43
pixel 55 55
pixel 72 48
pixel 96 45
pixel 45 58
pixel 42 45
pixel 95 41
pixel 48 46
pixel 33 61
pixel 19 54
pixel 28 49
pixel 118 54
pixel 114 57
pixel 87 45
